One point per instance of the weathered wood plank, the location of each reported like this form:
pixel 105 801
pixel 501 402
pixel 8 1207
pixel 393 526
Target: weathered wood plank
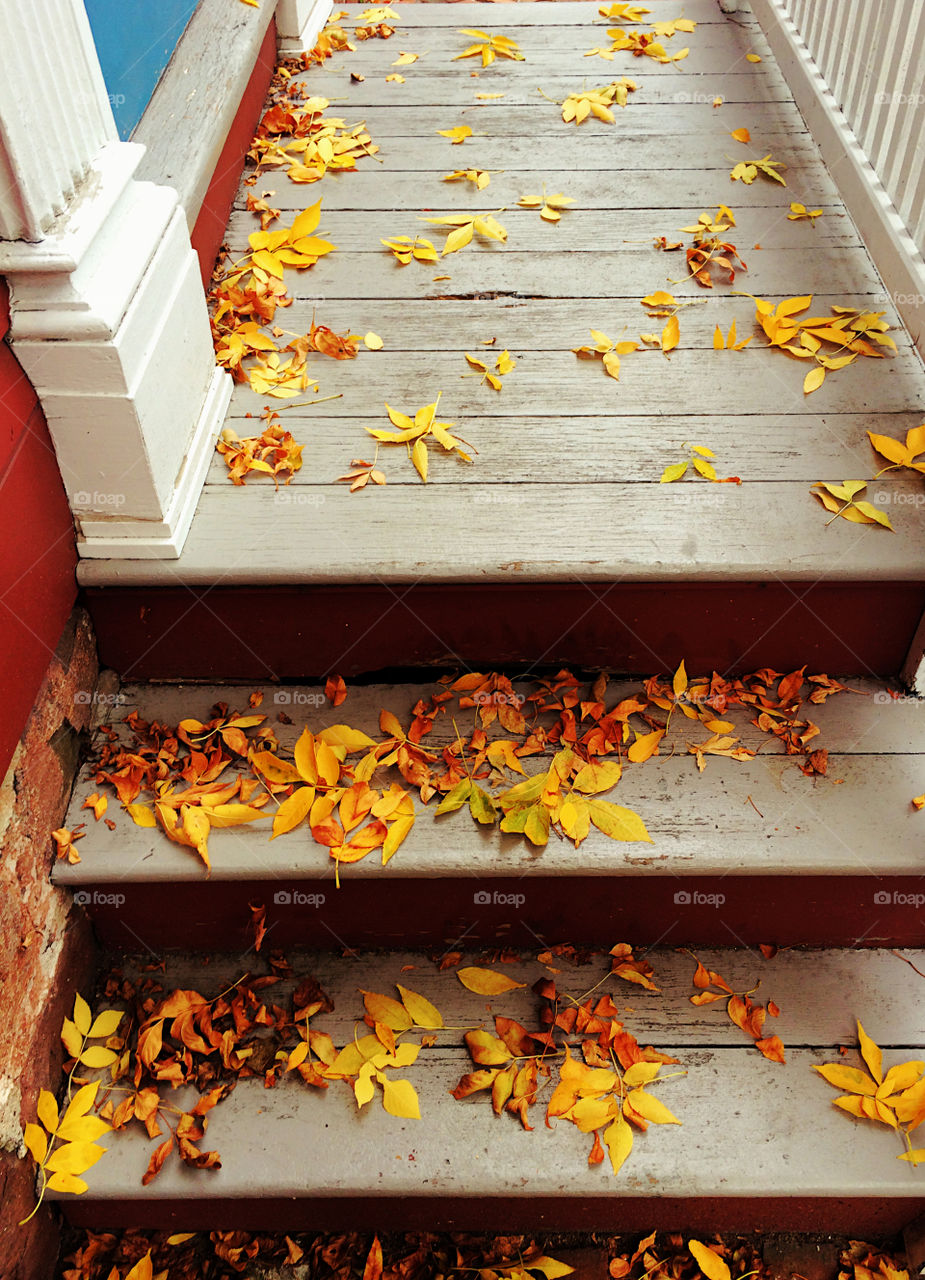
pixel 869 721
pixel 262 1139
pixel 758 448
pixel 444 87
pixel 604 532
pixel 652 120
pixel 495 270
pixel 590 230
pixel 586 152
pixel 883 989
pixel 561 13
pixel 561 50
pixel 541 324
pixel 644 189
pixel 649 383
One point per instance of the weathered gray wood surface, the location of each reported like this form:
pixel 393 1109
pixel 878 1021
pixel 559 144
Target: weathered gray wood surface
pixel 650 382
pixel 563 445
pixel 643 189
pixel 761 448
pixel 876 986
pixel 701 824
pixel 498 117
pixel 736 1135
pixel 591 230
pixel 561 13
pixel 661 535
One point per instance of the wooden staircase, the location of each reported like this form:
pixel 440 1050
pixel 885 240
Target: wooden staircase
pixel 559 546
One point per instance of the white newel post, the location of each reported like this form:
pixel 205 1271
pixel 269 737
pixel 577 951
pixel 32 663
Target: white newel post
pixel 109 317
pixel 299 23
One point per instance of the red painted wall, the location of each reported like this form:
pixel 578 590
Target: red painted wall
pixel 209 230
pixel 37 545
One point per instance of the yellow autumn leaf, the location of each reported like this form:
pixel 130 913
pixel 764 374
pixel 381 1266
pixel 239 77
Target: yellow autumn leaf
pixel 141 815
pixel 457 135
pixel 75 1157
pixel 292 811
pixel 105 1024
pixel 36 1141
pixel 710 1263
pixel 423 1013
pixel 47 1110
pixel 650 1108
pixel 82 1017
pixel 619 1141
pixel 847 1078
pixel 671 334
pixel 373 342
pixel 387 1011
pixel 400 1098
pixel 486 982
pixel 871 1054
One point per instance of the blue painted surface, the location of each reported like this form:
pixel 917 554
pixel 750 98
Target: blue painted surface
pixel 134 40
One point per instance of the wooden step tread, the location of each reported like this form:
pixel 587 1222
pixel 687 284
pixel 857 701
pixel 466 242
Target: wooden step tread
pixel 741 830
pixel 295 1157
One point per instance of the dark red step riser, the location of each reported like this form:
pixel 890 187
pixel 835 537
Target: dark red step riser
pixel 797 910
pixel 300 633
pixel 859 1218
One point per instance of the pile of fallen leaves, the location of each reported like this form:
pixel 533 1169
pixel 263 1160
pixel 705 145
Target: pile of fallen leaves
pixel 832 342
pixel 339 782
pixel 224 1255
pixel 274 452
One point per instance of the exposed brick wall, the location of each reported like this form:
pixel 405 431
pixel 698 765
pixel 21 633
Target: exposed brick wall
pixel 46 950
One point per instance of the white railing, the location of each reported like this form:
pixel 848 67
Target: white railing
pixel 872 57
pixel 857 71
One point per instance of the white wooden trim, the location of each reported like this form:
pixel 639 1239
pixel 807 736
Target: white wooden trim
pixel 109 319
pixel 191 111
pixel 299 23
pixel 891 245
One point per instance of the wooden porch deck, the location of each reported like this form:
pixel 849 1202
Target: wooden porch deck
pixel 564 489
